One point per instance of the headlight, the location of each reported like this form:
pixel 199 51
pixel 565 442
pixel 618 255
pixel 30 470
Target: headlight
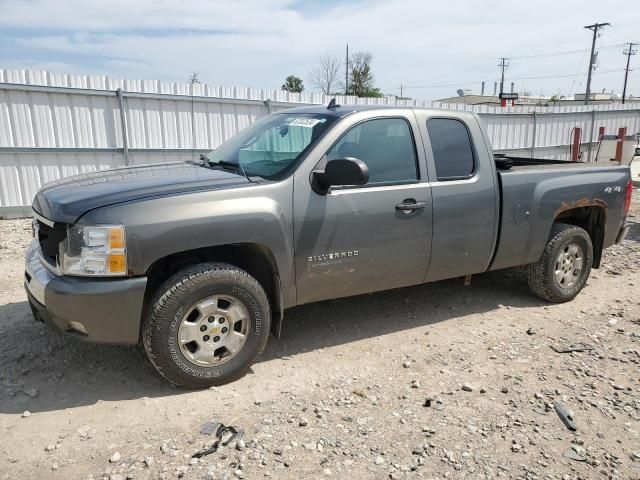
pixel 94 250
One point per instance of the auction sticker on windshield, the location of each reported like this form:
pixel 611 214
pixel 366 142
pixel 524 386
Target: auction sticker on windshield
pixel 306 122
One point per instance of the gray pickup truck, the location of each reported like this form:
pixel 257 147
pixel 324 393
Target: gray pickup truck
pixel 199 260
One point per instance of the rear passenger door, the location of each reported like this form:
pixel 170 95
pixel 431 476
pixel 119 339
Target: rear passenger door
pixel 359 239
pixel 465 195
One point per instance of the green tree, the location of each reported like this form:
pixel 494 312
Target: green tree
pixel 293 84
pixel 361 77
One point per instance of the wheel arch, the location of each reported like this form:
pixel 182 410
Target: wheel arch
pixel 254 258
pixel 590 217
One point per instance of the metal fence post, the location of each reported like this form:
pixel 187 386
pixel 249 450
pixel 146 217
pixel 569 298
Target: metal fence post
pixel 533 137
pixel 593 125
pixel 123 122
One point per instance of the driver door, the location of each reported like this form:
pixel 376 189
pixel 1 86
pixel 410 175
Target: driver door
pixel 359 239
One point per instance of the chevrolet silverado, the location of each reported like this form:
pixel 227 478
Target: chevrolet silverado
pixel 198 261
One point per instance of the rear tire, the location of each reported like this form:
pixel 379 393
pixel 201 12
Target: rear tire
pixel 207 325
pixel 565 264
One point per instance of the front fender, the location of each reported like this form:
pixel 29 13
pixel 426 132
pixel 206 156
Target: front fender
pixel 159 227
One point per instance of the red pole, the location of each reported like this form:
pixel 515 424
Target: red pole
pixel 575 150
pixel 503 103
pixel 622 132
pixel 600 133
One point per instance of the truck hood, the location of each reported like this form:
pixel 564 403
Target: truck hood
pixel 67 199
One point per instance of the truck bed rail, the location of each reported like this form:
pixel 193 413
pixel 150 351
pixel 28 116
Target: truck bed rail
pixel 506 162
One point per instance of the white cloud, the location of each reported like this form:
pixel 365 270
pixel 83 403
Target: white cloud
pixel 258 43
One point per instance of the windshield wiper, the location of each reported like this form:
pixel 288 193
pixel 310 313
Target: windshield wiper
pixel 224 163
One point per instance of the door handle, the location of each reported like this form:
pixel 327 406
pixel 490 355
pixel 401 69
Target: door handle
pixel 410 205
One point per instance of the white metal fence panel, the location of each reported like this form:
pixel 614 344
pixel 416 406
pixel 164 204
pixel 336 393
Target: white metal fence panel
pixel 53 125
pixel 508 132
pixel 548 133
pixel 23 173
pixel 34 119
pixel 102 82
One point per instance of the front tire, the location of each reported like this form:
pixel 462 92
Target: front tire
pixel 207 325
pixel 565 264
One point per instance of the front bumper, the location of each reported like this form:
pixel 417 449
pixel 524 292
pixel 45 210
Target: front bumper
pixel 97 309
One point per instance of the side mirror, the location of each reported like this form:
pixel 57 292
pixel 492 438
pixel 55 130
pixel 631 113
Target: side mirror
pixel 341 171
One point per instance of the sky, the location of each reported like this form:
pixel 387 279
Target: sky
pixel 430 47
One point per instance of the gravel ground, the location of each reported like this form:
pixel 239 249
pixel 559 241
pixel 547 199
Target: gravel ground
pixel 434 381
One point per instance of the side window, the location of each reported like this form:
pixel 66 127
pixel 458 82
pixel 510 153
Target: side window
pixel 385 145
pixel 452 149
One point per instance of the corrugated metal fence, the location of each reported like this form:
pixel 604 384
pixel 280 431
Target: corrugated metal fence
pixel 54 126
pixel 546 132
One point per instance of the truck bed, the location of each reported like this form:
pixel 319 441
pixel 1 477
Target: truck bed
pixel 535 191
pixel 507 162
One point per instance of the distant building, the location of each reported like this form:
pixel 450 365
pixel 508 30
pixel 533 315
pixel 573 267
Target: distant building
pixel 597 97
pixel 526 98
pixel 472 100
pixel 523 99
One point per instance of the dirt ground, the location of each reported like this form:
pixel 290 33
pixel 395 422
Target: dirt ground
pixel 433 381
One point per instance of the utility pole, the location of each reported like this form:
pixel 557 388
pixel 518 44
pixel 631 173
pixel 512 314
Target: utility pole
pixel 402 97
pixel 504 63
pixel 628 52
pixel 346 72
pixel 595 27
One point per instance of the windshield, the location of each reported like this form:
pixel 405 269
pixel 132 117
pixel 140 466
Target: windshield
pixel 272 147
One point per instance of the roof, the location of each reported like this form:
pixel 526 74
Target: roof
pixel 343 110
pixel 338 111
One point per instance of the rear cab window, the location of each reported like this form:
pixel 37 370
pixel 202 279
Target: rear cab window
pixel 453 152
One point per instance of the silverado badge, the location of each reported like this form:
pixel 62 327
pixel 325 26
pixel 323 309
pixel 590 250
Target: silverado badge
pixel 325 257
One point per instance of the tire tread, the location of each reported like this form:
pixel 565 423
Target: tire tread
pixel 538 274
pixel 166 297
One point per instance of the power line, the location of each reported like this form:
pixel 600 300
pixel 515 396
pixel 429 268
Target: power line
pixel 548 54
pixel 475 82
pixel 462 84
pixel 595 27
pixel 565 75
pixel 625 33
pixel 628 52
pixel 504 64
pixel 566 52
pixel 622 35
pixel 615 36
pixel 575 77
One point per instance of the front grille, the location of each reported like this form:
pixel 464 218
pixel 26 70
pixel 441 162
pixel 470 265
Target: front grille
pixel 49 239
